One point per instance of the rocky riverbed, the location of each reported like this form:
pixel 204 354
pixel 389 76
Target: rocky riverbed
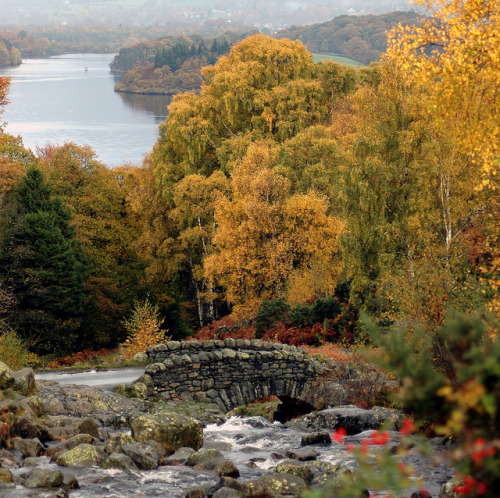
pixel 65 440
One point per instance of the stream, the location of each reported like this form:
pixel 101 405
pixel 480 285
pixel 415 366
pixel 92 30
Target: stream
pixel 253 444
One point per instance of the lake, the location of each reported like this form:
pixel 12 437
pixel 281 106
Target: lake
pixel 71 98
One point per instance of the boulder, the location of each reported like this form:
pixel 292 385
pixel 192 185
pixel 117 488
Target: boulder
pixel 28 447
pixel 24 381
pixel 69 444
pixel 116 441
pixel 230 483
pixel 198 492
pixel 114 421
pixel 296 468
pixel 142 455
pixel 35 404
pixel 32 462
pixel 70 482
pixel 62 433
pixel 30 428
pixel 44 478
pixel 5 475
pixel 146 380
pixel 140 357
pixel 334 475
pixel 272 485
pixel 7 457
pixel 171 430
pixel 219 466
pixel 83 401
pixel 6 376
pixel 180 457
pixel 303 454
pixel 10 406
pixel 82 456
pixel 202 456
pixel 88 426
pixel 119 461
pixel 316 438
pixel 351 418
pixel 227 493
pixel 136 390
pixel 160 449
pixel 324 471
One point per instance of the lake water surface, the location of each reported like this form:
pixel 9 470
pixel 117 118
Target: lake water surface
pixel 71 98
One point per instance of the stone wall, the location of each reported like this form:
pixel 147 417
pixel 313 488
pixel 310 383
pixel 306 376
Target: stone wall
pixel 231 372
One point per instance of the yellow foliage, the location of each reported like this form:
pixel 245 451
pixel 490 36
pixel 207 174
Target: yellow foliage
pixel 455 56
pixel 466 398
pixel 270 242
pixel 144 328
pixel 13 352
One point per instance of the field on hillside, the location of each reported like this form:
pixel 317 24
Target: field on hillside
pixel 336 58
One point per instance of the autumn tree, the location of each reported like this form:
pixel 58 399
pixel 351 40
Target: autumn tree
pixel 409 201
pixel 268 242
pixel 195 199
pixel 97 198
pixel 380 182
pixel 42 266
pixel 4 88
pixel 13 156
pixel 14 159
pixel 264 90
pixel 312 159
pixel 155 243
pixel 454 55
pixel 143 329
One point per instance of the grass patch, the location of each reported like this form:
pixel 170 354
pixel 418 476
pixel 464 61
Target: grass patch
pixel 263 408
pixel 336 58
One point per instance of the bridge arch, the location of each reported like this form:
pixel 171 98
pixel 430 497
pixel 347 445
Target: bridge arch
pixel 233 372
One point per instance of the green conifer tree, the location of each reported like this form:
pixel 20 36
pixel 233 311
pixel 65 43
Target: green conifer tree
pixel 42 265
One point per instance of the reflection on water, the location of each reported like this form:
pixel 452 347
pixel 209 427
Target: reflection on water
pixel 151 104
pixel 71 98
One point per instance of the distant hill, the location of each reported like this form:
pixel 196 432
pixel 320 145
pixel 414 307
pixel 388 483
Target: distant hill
pixel 362 38
pixel 173 64
pixel 169 65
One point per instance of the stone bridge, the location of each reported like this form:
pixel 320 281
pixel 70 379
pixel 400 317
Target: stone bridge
pixel 234 372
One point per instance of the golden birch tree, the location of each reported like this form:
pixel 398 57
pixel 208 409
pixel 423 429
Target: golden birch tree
pixel 268 239
pixel 455 56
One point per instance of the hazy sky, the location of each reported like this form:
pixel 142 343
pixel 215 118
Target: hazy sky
pixel 177 12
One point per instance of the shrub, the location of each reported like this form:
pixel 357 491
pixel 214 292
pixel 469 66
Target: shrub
pixel 269 312
pixel 451 383
pixel 144 329
pixel 14 353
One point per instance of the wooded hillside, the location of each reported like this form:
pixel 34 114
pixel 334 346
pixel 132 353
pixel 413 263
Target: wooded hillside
pixel 170 65
pixel 362 38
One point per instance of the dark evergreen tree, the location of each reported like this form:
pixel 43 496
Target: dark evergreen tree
pixel 43 267
pixel 224 47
